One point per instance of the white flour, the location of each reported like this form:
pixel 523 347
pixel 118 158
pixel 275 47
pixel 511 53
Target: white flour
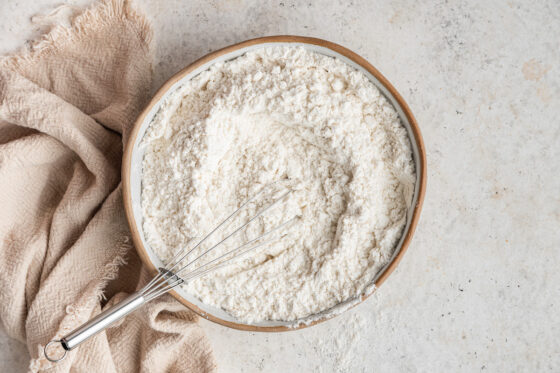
pixel 277 114
pixel 339 348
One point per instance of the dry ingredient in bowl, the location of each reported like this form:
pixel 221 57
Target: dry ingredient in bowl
pixel 280 113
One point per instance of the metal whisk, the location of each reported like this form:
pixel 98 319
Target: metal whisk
pixel 180 270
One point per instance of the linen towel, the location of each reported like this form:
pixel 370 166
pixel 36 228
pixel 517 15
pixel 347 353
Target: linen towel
pixel 66 108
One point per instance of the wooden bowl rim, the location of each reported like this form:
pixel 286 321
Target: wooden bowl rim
pixel 127 160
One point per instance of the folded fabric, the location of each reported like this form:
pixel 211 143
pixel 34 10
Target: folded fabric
pixel 66 107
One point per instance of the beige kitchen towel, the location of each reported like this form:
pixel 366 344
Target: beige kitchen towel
pixel 66 107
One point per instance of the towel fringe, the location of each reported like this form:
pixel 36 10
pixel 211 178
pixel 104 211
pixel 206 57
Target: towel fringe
pixel 101 14
pixel 112 268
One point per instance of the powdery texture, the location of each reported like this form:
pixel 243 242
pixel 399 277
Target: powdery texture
pixel 280 114
pixel 340 349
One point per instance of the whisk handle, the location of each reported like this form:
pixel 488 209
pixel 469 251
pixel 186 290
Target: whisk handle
pixel 95 325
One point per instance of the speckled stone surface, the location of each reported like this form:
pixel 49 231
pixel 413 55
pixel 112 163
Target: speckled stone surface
pixel 479 287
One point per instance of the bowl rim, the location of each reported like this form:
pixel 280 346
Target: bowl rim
pixel 128 151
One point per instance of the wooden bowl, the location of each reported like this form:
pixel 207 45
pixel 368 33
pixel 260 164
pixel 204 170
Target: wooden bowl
pixel 132 171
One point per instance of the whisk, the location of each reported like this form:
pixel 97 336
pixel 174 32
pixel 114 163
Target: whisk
pixel 180 269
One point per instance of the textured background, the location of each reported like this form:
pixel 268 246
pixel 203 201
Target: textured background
pixel 479 288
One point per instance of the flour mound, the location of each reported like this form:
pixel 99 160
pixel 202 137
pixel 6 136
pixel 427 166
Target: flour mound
pixel 280 113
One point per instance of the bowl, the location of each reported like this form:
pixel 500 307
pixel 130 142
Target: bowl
pixel 132 173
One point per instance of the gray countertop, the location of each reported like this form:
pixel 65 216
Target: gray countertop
pixel 479 287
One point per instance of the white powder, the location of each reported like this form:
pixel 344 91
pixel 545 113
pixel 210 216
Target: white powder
pixel 339 349
pixel 280 114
